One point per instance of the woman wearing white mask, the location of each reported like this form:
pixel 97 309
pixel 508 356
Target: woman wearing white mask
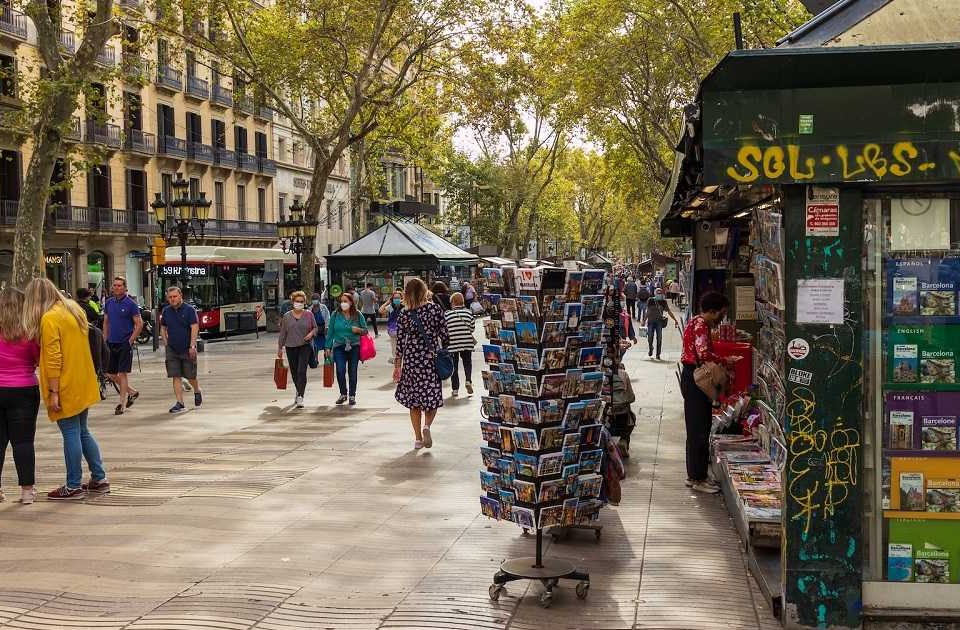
pixel 343 342
pixel 297 329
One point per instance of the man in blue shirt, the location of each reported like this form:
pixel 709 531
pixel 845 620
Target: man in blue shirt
pixel 121 327
pixel 179 327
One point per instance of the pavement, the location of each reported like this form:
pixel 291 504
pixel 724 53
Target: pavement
pixel 249 514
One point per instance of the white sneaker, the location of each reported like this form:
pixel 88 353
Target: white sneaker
pixel 28 496
pixel 705 487
pixel 455 393
pixel 299 402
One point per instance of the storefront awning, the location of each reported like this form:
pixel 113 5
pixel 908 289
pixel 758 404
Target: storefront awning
pixel 398 245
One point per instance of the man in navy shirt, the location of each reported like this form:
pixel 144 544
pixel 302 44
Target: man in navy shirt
pixel 121 327
pixel 179 326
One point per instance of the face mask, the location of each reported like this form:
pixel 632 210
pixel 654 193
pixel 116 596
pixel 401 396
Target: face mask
pixel 344 306
pixel 298 306
pixel 396 302
pixel 315 302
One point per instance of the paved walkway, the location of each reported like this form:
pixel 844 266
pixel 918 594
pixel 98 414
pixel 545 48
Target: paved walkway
pixel 249 514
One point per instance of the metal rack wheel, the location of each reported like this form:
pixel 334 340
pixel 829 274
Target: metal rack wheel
pixel 583 589
pixel 494 591
pixel 546 598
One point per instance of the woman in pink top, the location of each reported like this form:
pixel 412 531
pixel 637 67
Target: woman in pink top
pixel 19 391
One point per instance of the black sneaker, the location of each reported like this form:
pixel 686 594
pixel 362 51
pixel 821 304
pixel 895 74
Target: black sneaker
pixel 178 408
pixel 341 400
pixel 353 401
pixel 197 399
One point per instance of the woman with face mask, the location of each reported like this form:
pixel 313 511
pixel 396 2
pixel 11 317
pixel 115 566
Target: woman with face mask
pixel 391 310
pixel 297 330
pixel 657 312
pixel 343 343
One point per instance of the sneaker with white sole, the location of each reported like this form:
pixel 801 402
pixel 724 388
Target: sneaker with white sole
pixel 299 402
pixel 64 493
pixel 178 408
pixel 469 388
pixel 705 487
pixel 28 496
pixel 427 438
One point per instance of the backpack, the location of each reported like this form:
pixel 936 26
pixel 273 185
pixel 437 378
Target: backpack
pixel 643 293
pixel 99 350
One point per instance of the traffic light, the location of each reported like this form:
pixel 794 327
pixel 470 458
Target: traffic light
pixel 158 251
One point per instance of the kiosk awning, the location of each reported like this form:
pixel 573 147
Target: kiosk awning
pixel 398 245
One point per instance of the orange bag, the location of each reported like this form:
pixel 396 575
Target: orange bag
pixel 280 374
pixel 327 374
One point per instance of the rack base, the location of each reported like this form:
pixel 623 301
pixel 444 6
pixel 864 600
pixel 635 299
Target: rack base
pixel 560 534
pixel 549 572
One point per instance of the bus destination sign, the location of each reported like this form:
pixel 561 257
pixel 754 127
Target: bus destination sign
pixel 173 271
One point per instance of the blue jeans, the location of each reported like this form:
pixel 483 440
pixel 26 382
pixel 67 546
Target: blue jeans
pixel 342 359
pixel 641 310
pixel 77 441
pixel 655 328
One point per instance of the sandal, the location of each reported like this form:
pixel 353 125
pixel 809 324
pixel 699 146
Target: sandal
pixel 132 398
pixel 119 410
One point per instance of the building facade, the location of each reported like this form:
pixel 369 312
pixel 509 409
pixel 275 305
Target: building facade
pixel 164 109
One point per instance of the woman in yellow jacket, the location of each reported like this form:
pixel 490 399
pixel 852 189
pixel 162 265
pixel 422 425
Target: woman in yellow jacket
pixel 68 383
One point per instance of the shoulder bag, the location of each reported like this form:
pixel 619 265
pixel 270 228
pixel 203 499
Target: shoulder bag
pixel 443 361
pixel 712 379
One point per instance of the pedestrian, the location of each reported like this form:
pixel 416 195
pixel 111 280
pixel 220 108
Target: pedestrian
pixel 469 294
pixel 441 295
pixel 697 406
pixel 630 295
pixel 420 331
pixel 297 329
pixel 643 294
pixel 321 316
pixel 19 392
pixel 68 383
pixel 343 343
pixel 673 292
pixel 368 306
pixel 90 307
pixel 460 327
pixel 179 328
pixel 657 311
pixel 122 324
pixel 391 310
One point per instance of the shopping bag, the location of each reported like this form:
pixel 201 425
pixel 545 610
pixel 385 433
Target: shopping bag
pixel 367 349
pixel 327 373
pixel 313 362
pixel 280 374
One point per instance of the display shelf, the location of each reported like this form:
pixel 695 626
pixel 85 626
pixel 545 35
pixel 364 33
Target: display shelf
pixel 922 516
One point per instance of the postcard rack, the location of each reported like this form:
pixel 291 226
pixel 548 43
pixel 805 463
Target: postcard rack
pixel 541 415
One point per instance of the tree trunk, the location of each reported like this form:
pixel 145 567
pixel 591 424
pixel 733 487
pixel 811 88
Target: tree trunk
pixel 322 167
pixel 28 237
pixel 509 241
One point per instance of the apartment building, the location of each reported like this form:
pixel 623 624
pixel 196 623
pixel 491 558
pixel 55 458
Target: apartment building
pixel 170 110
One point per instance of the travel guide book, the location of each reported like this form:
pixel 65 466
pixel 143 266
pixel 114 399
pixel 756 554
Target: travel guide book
pixel 912 497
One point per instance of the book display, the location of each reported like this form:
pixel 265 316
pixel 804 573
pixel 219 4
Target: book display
pixel 543 438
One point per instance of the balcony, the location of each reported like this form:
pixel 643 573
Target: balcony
pixel 246 162
pixel 103 133
pixel 199 152
pixel 172 147
pixel 107 57
pixel 264 113
pixel 8 211
pixel 13 23
pixel 225 228
pixel 198 88
pixel 224 158
pixel 91 219
pixel 141 142
pixel 68 43
pixel 169 78
pixel 134 68
pixel 222 96
pixel 243 103
pixel 266 167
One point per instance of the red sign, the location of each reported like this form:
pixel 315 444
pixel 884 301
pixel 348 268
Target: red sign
pixel 823 219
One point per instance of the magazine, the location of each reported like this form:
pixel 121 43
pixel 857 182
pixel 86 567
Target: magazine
pixel 554 333
pixel 943 495
pixel 529 309
pixel 574 285
pixel 592 384
pixel 938 433
pixel 911 491
pixel 550 464
pixel 508 312
pixel 551 516
pixel 905 296
pixel 900 562
pixel 552 385
pixel 906 363
pixel 490 431
pixel 490 507
pixel 526 491
pixel 551 411
pixel 901 430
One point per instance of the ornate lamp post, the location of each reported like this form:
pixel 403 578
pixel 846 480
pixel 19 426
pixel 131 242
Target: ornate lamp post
pixel 184 215
pixel 293 230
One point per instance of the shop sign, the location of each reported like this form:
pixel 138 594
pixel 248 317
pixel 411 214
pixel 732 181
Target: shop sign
pixel 823 211
pixel 798 349
pixel 53 259
pixel 805 128
pixel 167 271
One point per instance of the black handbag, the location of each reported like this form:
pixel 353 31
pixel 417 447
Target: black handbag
pixel 443 360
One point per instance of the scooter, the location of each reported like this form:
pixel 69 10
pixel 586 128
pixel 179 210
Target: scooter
pixel 146 333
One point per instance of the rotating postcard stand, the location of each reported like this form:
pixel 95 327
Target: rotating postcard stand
pixel 541 416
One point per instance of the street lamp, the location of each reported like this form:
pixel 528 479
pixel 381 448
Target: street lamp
pixel 292 231
pixel 184 214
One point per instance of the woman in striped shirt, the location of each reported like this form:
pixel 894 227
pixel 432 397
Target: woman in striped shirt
pixel 460 324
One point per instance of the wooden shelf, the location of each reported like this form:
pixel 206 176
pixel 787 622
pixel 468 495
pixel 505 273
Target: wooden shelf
pixel 917 515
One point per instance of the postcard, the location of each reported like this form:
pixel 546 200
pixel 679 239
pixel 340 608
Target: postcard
pixel 508 351
pixel 528 279
pixel 529 309
pixel 553 307
pixel 938 370
pixel 527 333
pixel 588 486
pixel 592 306
pixel 551 385
pixel 489 481
pixel 492 277
pixel 527 385
pixel 527 358
pixel 491 354
pixel 554 333
pixel 507 376
pixel 592 384
pixel 491 304
pixel 526 465
pixel 551 516
pixel 570 512
pixel 508 409
pixel 571 385
pixel 490 407
pixel 574 286
pixel 490 507
pixel 526 491
pixel 936 303
pixel 592 282
pixel 552 490
pixel 591 331
pixel 591 412
pixel 590 434
pixel 571 455
pixel 527 412
pixel 553 279
pixel 490 431
pixel 523 517
pixel 506 465
pixel 507 500
pixel 551 411
pixel 550 464
pixel 590 357
pixel 510 280
pixel 573 345
pixel 588 510
pixel 554 359
pixel 508 312
pixel 572 313
pixel 526 439
pixel 506 439
pixel 490 382
pixel 574 416
pixel 490 456
pixel 507 336
pixel 590 461
pixel 552 438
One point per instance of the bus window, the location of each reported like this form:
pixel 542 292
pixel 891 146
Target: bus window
pixel 240 285
pixel 201 292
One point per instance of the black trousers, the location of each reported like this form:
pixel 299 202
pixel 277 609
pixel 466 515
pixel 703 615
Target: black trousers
pixel 18 426
pixel 632 308
pixel 465 356
pixel 299 359
pixel 372 321
pixel 697 413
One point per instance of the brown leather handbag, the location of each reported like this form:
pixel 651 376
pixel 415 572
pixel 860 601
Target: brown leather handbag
pixel 712 379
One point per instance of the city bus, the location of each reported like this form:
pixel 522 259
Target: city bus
pixel 226 280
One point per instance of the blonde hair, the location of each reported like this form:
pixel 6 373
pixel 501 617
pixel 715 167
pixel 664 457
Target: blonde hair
pixel 414 293
pixel 456 299
pixel 42 295
pixel 298 294
pixel 11 314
